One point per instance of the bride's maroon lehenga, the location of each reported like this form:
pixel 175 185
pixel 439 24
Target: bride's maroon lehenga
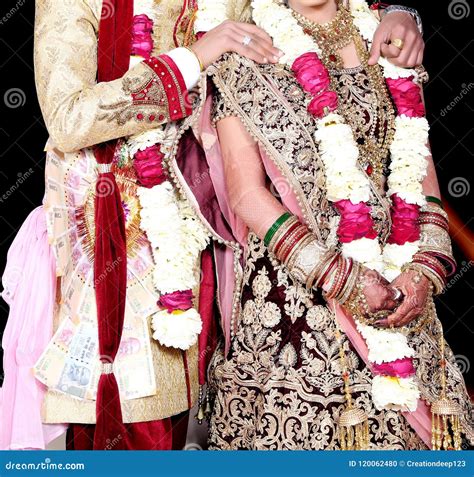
pixel 281 385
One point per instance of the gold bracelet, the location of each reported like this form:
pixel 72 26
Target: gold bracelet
pixel 197 57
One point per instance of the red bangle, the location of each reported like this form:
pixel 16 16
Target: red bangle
pixel 288 248
pixel 285 235
pixel 328 271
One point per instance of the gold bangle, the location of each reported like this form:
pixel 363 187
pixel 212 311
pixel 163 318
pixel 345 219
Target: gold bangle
pixel 197 57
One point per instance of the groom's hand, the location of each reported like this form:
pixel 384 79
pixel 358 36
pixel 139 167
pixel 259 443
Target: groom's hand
pixel 393 27
pixel 242 38
pixel 415 288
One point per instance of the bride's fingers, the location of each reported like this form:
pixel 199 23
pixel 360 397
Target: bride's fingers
pixel 410 316
pixel 256 32
pixel 404 309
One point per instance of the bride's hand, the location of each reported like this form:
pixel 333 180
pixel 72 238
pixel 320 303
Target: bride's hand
pixel 415 288
pixel 378 292
pixel 245 39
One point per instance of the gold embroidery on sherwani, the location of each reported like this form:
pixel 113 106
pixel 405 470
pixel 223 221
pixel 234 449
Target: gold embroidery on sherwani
pixel 71 101
pixel 281 387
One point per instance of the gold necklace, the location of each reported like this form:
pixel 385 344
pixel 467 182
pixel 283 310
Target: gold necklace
pixel 374 145
pixel 332 36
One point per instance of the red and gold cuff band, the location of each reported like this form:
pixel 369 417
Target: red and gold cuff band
pixel 308 261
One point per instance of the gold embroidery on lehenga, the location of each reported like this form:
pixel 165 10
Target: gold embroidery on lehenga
pixel 275 392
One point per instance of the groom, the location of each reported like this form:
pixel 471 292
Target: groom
pixel 93 101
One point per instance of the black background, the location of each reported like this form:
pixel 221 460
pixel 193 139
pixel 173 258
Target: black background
pixel 448 59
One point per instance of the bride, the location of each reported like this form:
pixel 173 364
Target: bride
pixel 332 209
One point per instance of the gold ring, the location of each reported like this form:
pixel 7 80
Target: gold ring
pixel 397 42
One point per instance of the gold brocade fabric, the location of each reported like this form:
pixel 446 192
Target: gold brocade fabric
pixel 281 387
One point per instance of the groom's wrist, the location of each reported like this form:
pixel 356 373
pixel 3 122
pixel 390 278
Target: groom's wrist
pixel 383 11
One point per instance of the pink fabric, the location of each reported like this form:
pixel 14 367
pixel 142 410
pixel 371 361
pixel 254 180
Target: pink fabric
pixel 178 300
pixel 313 76
pixel 311 73
pixel 405 227
pixel 29 284
pixel 407 97
pixel 142 40
pixel 420 420
pixel 148 165
pixel 321 104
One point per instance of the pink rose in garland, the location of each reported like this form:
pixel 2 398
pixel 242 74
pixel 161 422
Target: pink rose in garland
pixel 142 41
pixel 323 104
pixel 314 78
pixel 407 97
pixel 148 165
pixel 405 226
pixel 178 300
pixel 401 368
pixel 356 221
pixel 311 73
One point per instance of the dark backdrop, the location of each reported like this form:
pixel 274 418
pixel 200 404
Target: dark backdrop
pixel 449 96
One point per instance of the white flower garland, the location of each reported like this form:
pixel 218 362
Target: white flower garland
pixel 176 235
pixel 345 180
pixel 177 238
pixel 145 7
pixel 210 14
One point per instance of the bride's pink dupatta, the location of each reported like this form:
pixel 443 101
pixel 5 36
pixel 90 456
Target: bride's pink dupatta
pixel 420 419
pixel 29 284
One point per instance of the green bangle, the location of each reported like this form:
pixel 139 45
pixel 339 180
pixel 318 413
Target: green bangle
pixel 434 200
pixel 274 228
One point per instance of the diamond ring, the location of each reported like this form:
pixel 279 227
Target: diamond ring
pixel 246 41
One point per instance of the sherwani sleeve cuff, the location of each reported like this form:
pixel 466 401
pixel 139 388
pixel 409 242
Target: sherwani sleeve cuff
pixel 188 65
pixel 169 78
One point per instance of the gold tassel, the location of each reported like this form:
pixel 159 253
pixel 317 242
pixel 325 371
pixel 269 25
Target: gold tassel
pixel 354 429
pixel 446 425
pixel 445 415
pixel 207 408
pixel 353 424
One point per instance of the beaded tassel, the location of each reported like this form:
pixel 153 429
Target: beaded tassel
pixel 200 414
pixel 445 421
pixel 353 424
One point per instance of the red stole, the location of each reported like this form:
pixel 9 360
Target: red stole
pixel 110 252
